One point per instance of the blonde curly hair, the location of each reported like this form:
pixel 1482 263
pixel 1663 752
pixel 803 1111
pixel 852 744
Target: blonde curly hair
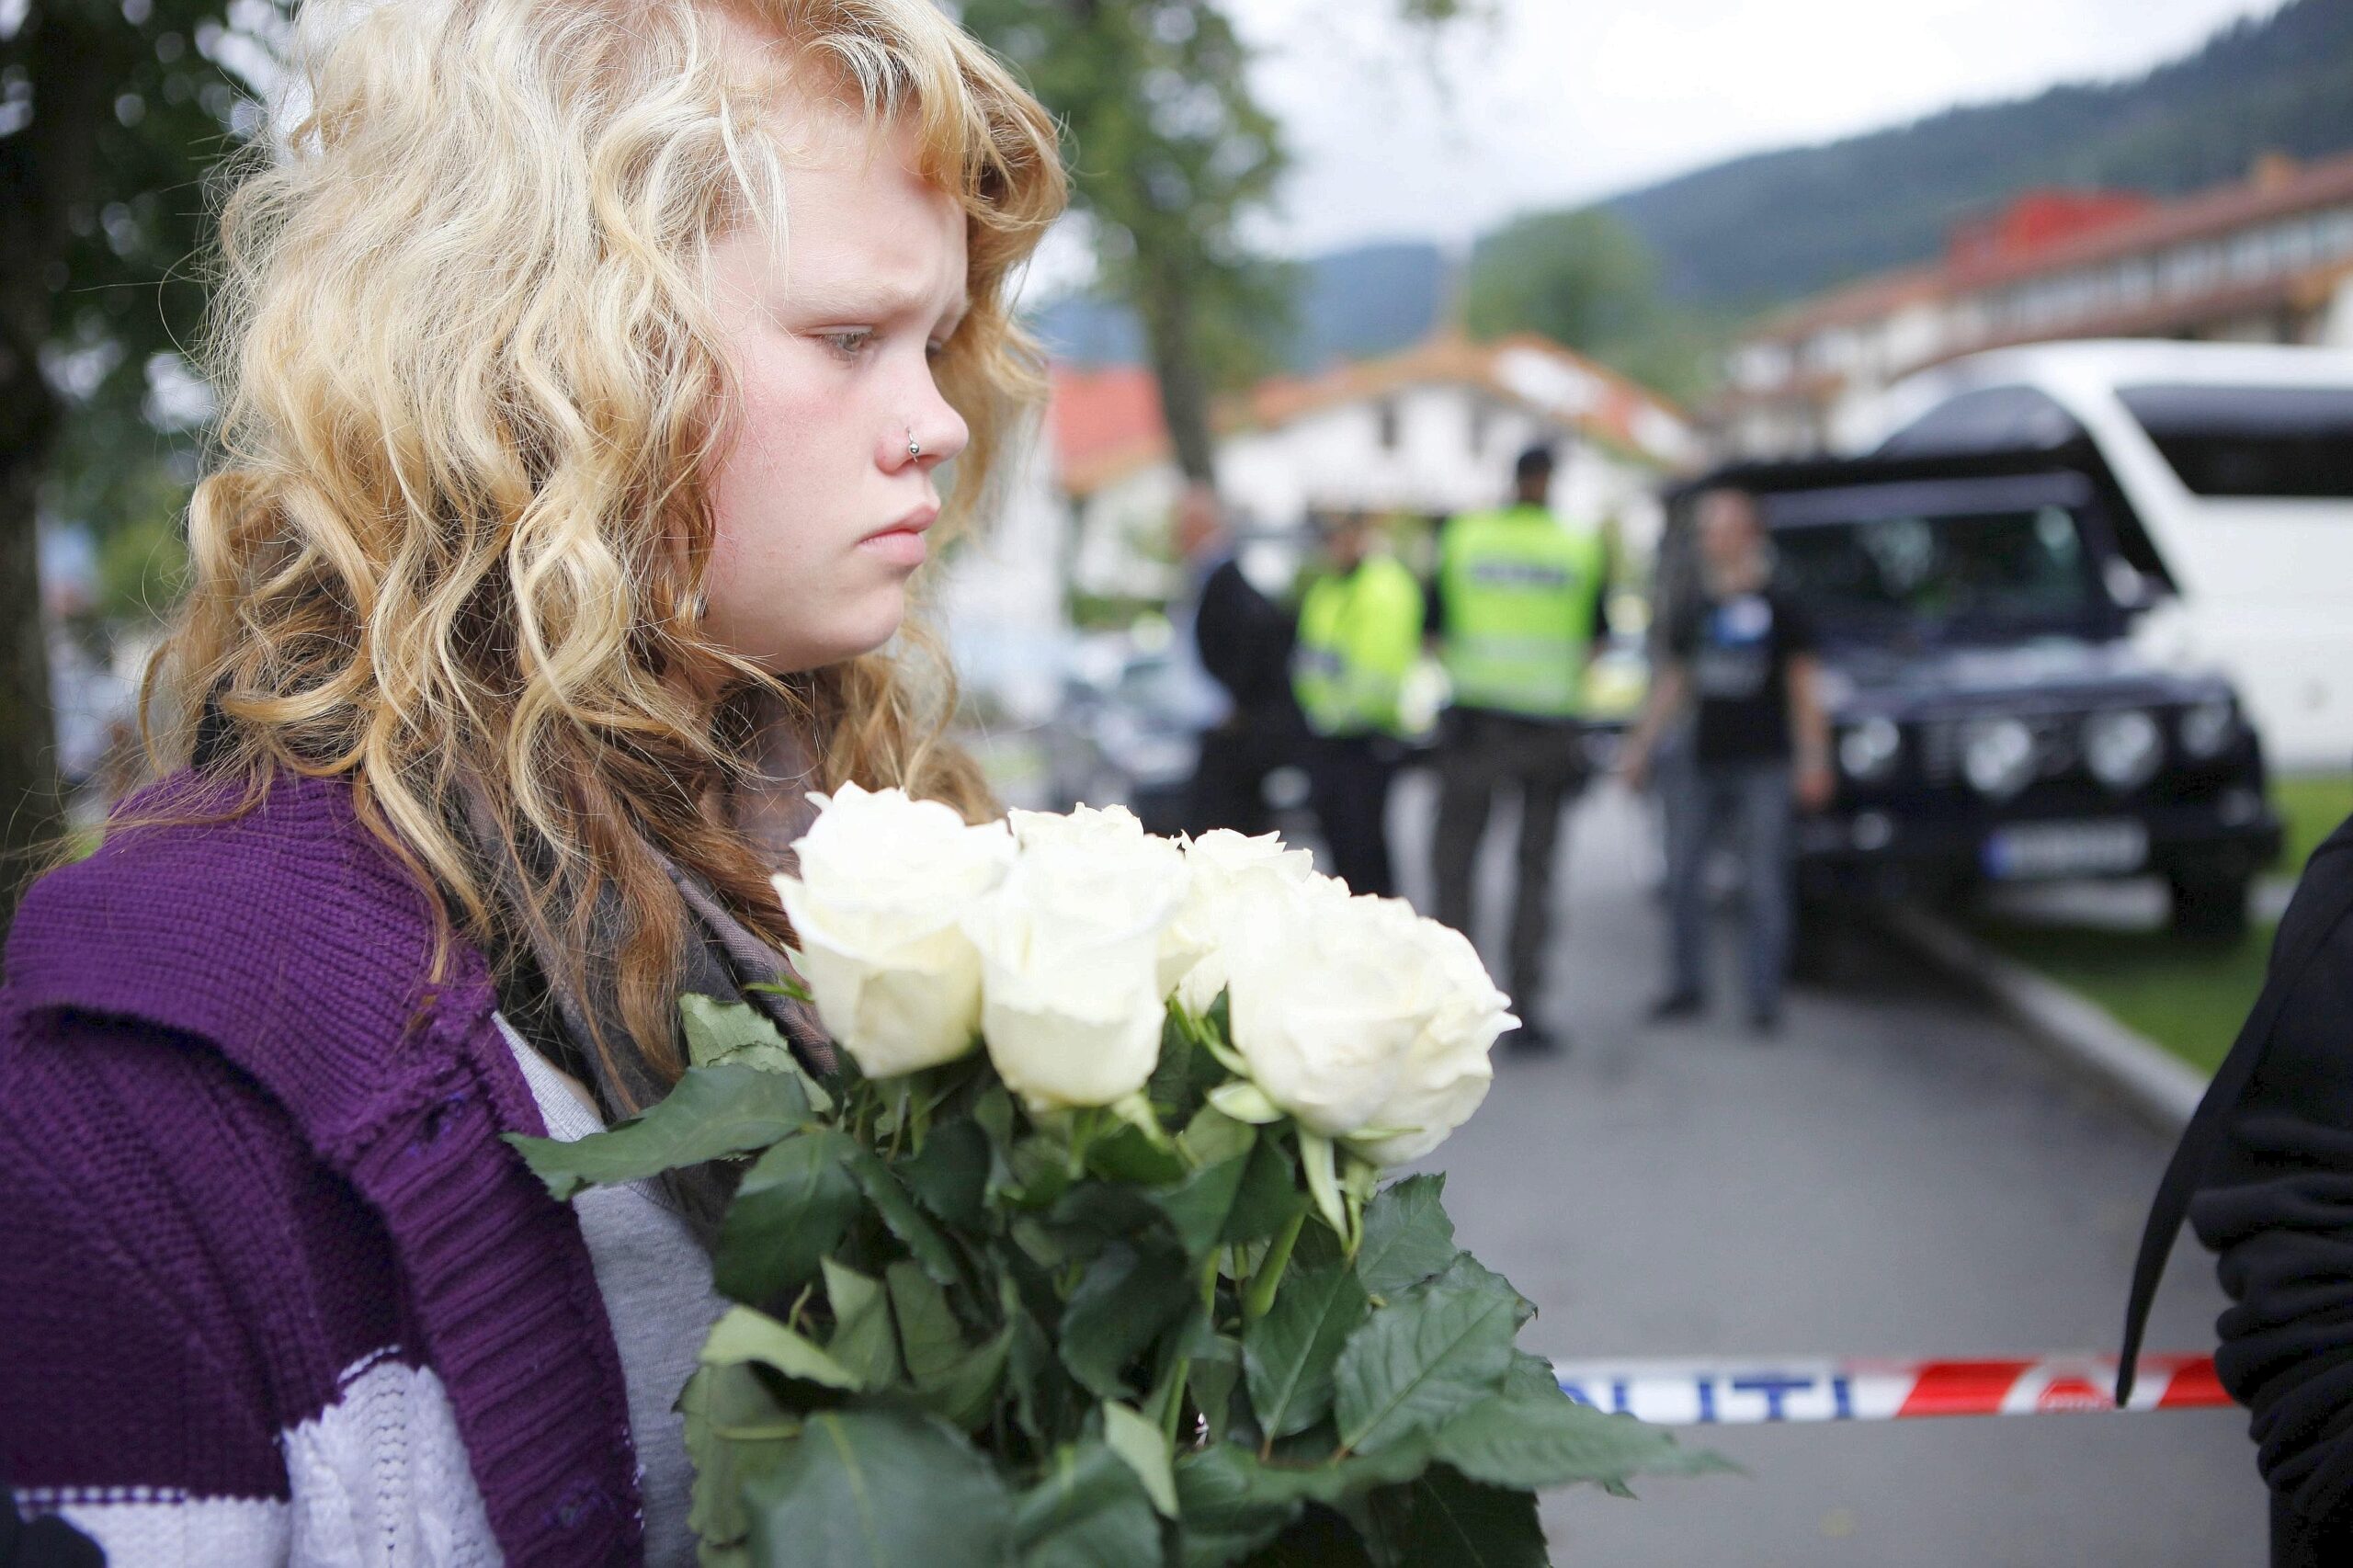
pixel 452 542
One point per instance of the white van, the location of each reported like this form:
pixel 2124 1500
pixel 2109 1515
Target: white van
pixel 2238 458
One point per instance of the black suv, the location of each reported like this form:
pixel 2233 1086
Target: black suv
pixel 1992 719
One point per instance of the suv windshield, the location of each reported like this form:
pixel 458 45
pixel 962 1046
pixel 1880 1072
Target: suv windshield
pixel 2270 441
pixel 1981 576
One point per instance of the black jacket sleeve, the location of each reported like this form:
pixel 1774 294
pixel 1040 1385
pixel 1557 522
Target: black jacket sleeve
pixel 2277 1206
pixel 1245 641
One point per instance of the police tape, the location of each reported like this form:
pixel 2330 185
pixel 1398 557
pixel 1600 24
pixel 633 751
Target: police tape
pixel 1700 1393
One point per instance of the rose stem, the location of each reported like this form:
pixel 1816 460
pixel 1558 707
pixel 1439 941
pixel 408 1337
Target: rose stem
pixel 1261 1292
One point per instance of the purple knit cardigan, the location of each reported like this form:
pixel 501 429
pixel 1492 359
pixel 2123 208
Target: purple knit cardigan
pixel 247 1153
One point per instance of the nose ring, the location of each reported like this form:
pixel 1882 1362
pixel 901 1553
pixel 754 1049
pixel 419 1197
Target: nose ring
pixel 915 448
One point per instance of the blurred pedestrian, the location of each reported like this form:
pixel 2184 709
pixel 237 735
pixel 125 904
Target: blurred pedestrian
pixel 1740 668
pixel 1359 632
pixel 1519 599
pixel 2264 1174
pixel 1237 645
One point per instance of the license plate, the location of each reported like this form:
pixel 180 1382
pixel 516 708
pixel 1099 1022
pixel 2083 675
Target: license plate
pixel 2066 849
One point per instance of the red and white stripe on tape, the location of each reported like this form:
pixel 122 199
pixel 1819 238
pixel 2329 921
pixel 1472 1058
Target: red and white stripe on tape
pixel 1693 1393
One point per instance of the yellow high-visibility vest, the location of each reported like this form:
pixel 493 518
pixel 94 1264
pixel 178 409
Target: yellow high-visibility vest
pixel 1520 590
pixel 1358 637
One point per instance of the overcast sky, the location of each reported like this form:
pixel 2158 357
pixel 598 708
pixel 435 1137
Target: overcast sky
pixel 1568 99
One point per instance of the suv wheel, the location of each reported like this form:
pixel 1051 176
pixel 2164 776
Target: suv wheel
pixel 2208 908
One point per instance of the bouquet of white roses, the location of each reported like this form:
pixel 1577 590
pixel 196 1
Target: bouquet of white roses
pixel 1083 1254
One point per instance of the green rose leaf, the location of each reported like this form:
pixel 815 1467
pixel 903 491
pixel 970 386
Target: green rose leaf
pixel 951 1381
pixel 863 1341
pixel 1223 1516
pixel 1128 1154
pixel 1467 1273
pixel 712 1112
pixel 1413 1365
pixel 1518 1441
pixel 880 1489
pixel 1199 1205
pixel 792 1208
pixel 746 1334
pixel 1268 1197
pixel 1213 1137
pixel 1123 1301
pixel 1233 1502
pixel 1289 1354
pixel 909 1224
pixel 963 1392
pixel 951 1173
pixel 1320 1538
pixel 930 1339
pixel 1141 1448
pixel 1214 1371
pixel 1186 1071
pixel 1032 1174
pixel 1407 1236
pixel 736 1033
pixel 1443 1517
pixel 1531 1377
pixel 1088 1510
pixel 735 1430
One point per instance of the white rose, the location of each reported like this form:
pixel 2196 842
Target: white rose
pixel 1326 1006
pixel 878 909
pixel 1072 1005
pixel 1237 883
pixel 1447 1070
pixel 1113 835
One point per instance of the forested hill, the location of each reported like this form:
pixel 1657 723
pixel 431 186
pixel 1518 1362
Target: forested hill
pixel 1777 226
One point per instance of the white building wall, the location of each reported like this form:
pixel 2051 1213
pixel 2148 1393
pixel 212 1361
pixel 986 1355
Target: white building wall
pixel 1000 592
pixel 1122 546
pixel 2336 324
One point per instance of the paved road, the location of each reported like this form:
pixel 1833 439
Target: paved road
pixel 1898 1174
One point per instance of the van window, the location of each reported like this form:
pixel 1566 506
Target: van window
pixel 2282 441
pixel 1990 419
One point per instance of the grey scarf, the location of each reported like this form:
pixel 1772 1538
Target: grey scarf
pixel 722 956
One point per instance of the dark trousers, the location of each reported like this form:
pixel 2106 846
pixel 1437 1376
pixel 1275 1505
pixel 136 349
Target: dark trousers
pixel 1483 754
pixel 1229 788
pixel 1349 777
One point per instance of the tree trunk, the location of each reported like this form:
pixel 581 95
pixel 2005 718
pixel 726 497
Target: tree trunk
pixel 30 812
pixel 1167 313
pixel 47 178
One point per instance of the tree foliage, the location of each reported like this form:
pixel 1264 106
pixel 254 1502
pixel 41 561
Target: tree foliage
pixel 111 115
pixel 1170 154
pixel 1584 278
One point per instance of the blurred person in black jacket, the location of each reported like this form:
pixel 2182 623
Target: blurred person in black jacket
pixel 1240 642
pixel 2264 1175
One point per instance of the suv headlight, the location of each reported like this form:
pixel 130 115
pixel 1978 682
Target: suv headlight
pixel 2122 747
pixel 2208 729
pixel 1867 751
pixel 1997 755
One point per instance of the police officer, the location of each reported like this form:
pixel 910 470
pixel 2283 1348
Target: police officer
pixel 1360 630
pixel 1517 607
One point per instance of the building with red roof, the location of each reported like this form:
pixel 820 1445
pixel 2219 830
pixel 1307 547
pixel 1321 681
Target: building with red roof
pixel 2269 259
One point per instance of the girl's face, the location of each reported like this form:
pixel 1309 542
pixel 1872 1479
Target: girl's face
pixel 823 489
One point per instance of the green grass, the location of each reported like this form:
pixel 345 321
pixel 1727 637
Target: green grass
pixel 2312 805
pixel 2189 997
